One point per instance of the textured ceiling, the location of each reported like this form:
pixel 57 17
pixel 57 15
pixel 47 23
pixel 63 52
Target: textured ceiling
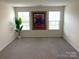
pixel 35 2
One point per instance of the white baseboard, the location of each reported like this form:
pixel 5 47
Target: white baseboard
pixel 6 44
pixel 71 43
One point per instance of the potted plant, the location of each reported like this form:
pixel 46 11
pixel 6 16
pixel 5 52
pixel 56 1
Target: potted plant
pixel 18 25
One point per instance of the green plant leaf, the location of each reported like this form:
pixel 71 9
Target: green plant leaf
pixel 16 21
pixel 17 26
pixel 17 30
pixel 21 27
pixel 20 21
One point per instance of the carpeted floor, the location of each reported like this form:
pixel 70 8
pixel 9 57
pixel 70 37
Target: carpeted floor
pixel 39 48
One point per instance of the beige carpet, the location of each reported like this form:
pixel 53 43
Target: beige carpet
pixel 39 48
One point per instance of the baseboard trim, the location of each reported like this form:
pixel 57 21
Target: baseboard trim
pixel 5 45
pixel 71 43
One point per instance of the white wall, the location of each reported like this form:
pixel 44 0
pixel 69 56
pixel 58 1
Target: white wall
pixel 42 33
pixel 6 32
pixel 71 23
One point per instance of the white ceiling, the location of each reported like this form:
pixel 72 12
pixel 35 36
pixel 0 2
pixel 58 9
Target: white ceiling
pixel 35 2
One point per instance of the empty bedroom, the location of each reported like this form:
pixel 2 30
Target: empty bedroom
pixel 39 29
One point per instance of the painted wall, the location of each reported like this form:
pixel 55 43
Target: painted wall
pixel 42 33
pixel 71 23
pixel 6 32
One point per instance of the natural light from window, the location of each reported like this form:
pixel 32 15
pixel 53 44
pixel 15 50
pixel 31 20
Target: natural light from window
pixel 25 19
pixel 54 20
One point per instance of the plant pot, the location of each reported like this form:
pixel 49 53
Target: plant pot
pixel 19 37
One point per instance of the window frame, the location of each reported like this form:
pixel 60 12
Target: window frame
pixel 55 21
pixel 25 22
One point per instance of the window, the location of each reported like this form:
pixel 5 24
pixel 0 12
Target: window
pixel 54 20
pixel 25 19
